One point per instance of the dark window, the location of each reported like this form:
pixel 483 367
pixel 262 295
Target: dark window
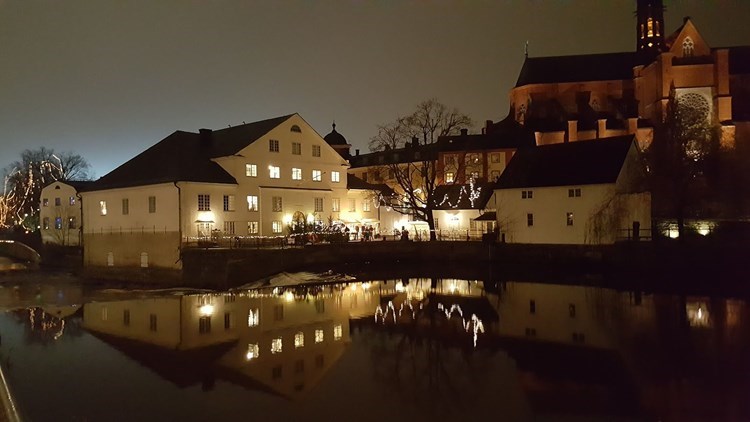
pixel 57 202
pixel 320 305
pixel 299 366
pixel 152 322
pixel 532 307
pixel 204 325
pixel 296 128
pixel 319 361
pixel 151 204
pixel 572 310
pixel 126 317
pixel 529 220
pixel 227 321
pixel 278 312
pixel 531 332
pixel 204 202
pixel 276 372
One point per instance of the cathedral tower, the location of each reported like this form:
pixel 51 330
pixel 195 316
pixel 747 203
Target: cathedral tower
pixel 650 27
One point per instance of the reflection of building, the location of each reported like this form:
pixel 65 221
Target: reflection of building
pixel 283 341
pixel 60 212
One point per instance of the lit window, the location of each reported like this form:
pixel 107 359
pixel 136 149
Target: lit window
pixel 337 332
pixel 204 202
pixel 252 227
pixel 352 205
pixel 296 148
pixel 252 203
pixel 569 218
pixel 650 28
pixel 229 227
pixel 316 150
pixel 274 172
pixel 228 202
pixel 253 317
pixel 251 170
pixel 335 176
pixel 366 205
pixel 299 340
pixel 252 351
pixel 529 220
pixel 72 223
pixel 273 145
pixel 151 204
pixel 318 336
pixel 45 202
pixel 103 207
pixel 72 200
pixel 335 204
pixel 318 204
pixel 296 174
pixel 276 227
pixel 276 345
pixel 58 223
pixel 45 223
pixel 277 204
pixel 450 177
pixel 317 176
pixel 688 47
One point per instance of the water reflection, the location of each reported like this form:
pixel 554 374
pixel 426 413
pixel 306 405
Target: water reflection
pixel 432 348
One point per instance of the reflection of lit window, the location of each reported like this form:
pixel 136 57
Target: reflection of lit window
pixel 252 351
pixel 299 340
pixel 103 207
pixel 337 332
pixel 697 313
pixel 450 177
pixel 318 336
pixel 276 345
pixel 253 318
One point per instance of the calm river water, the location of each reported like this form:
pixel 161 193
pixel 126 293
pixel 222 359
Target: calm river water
pixel 374 350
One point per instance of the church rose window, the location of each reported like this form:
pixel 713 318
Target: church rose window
pixel 697 102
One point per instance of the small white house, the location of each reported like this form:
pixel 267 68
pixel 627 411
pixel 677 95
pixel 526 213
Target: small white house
pixel 60 212
pixel 460 211
pixel 586 192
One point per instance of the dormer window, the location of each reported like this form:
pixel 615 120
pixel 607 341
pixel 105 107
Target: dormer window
pixel 296 129
pixel 688 47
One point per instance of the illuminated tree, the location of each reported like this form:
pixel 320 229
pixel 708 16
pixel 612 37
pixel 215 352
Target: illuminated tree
pixel 416 177
pixel 24 179
pixel 683 158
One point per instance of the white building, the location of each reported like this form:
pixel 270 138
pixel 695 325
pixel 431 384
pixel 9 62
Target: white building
pixel 60 212
pixel 249 180
pixel 586 192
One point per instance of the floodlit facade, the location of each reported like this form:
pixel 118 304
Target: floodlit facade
pixel 252 180
pixel 594 96
pixel 60 213
pixel 588 192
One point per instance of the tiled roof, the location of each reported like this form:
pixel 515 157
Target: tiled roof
pixel 578 68
pixel 462 197
pixel 575 163
pixel 186 156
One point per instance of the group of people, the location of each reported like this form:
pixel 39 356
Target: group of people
pixel 365 233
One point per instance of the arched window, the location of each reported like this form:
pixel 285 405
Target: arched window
pixel 296 128
pixel 521 114
pixel 688 47
pixel 650 27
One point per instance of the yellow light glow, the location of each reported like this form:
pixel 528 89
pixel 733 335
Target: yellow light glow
pixel 400 287
pixel 310 218
pixel 289 296
pixel 206 217
pixel 287 219
pixel 365 286
pixel 206 310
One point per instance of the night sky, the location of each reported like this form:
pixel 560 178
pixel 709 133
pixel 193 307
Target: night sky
pixel 109 78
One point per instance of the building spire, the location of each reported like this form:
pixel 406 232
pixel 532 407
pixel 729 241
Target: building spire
pixel 526 50
pixel 334 125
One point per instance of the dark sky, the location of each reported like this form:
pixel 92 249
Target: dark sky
pixel 109 78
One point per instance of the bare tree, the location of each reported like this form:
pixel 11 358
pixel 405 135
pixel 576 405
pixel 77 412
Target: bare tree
pixel 682 158
pixel 415 172
pixel 25 178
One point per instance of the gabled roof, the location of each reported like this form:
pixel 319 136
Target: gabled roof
pixel 462 197
pixel 575 163
pixel 578 68
pixel 354 182
pixel 505 134
pixel 78 185
pixel 186 156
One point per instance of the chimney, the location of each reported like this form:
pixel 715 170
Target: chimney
pixel 356 152
pixel 488 124
pixel 205 135
pixel 415 141
pixel 464 132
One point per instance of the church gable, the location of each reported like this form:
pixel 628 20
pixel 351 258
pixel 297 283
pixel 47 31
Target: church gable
pixel 688 42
